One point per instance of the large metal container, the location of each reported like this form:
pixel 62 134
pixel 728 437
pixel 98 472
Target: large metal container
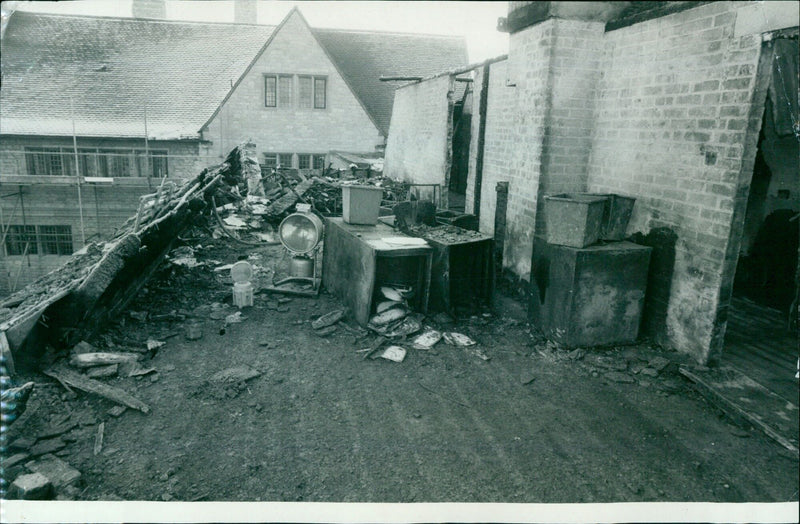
pixel 574 219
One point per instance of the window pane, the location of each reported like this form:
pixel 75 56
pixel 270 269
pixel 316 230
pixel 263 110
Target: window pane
pixel 304 161
pixel 45 161
pixel 56 240
pixel 89 163
pixel 18 236
pixel 285 160
pixel 270 91
pixel 118 162
pixel 270 160
pixel 306 88
pixel 319 161
pixel 319 93
pixel 285 91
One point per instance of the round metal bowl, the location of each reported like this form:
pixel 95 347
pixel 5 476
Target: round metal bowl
pixel 300 232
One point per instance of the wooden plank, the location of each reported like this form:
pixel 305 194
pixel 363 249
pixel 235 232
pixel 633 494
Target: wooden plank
pixel 728 386
pixel 87 360
pixel 71 378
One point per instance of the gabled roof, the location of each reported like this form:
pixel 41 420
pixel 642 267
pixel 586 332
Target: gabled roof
pixel 364 56
pixel 110 69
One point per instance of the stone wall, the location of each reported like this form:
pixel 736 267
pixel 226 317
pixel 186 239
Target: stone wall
pixel 342 125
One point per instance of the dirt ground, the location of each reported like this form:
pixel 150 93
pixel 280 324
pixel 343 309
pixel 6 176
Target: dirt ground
pixel 514 419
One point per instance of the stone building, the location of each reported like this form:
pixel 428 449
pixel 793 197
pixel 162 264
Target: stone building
pixel 96 111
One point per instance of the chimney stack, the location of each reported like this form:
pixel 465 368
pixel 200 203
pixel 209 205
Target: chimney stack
pixel 245 12
pixel 149 9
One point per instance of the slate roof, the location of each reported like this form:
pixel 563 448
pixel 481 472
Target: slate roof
pixel 364 56
pixel 109 69
pixel 112 67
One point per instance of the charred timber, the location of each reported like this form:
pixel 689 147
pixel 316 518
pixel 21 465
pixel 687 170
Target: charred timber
pixel 77 300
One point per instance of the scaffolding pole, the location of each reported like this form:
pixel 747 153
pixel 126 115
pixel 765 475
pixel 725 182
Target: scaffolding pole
pixel 147 151
pixel 77 173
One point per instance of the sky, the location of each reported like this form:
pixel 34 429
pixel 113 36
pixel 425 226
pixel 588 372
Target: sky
pixel 476 21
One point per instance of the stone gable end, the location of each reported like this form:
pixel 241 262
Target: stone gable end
pixel 342 125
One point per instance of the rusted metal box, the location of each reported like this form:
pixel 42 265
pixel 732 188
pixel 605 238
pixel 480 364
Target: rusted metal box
pixel 589 296
pixel 574 219
pixel 616 215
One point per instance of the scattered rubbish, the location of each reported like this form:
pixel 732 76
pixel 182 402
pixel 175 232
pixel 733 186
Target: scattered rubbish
pixel 140 372
pixel 650 372
pixel 376 345
pixel 46 447
pixel 427 340
pixel 56 470
pixel 23 444
pixel 527 378
pixel 386 305
pixel 388 316
pixel 576 354
pixel 83 347
pixel 14 460
pixel 184 256
pixel 88 360
pixel 478 353
pixel 69 377
pixel 324 332
pixel 458 339
pixel 405 327
pixel 234 222
pixel 116 411
pixel 31 486
pixel 153 344
pixel 392 294
pixel 608 362
pixel 103 371
pixel 224 267
pixel 234 318
pixel 328 319
pixel 235 374
pixel 55 431
pixel 98 440
pixel 394 353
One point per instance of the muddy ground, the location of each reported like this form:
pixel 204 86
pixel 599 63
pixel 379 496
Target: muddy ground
pixel 533 423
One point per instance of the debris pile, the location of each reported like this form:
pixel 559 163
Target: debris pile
pixel 99 281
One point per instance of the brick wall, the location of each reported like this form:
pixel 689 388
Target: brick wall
pixel 419 147
pixel 666 111
pixel 343 125
pixel 54 200
pixel 671 127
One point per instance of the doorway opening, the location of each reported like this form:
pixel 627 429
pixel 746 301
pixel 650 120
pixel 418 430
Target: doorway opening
pixel 461 136
pixel 761 335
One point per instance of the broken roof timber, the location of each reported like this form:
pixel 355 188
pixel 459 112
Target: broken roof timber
pixel 466 69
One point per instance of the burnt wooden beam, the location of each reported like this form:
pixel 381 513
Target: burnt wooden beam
pixel 484 102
